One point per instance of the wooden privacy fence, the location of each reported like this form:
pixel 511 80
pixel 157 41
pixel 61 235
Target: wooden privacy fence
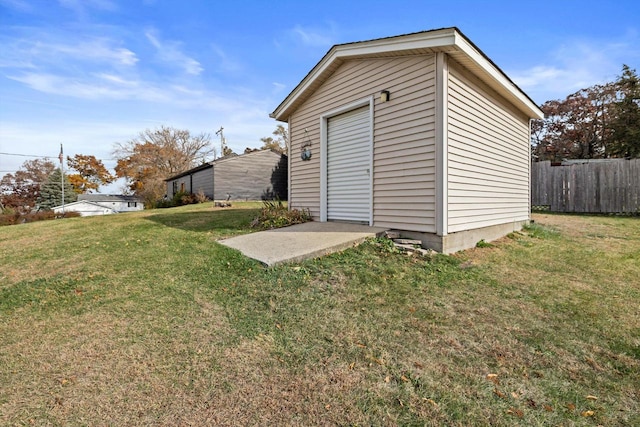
pixel 590 186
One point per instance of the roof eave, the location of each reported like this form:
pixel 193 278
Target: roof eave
pixel 501 82
pixel 447 39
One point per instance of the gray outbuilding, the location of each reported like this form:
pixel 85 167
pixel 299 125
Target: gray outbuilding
pixel 256 175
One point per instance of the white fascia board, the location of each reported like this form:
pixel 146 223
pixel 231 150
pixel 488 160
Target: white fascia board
pixel 481 61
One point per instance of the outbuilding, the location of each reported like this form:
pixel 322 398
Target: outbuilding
pixel 420 133
pixel 255 175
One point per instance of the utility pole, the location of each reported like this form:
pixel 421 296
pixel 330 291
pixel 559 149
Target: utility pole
pixel 61 157
pixel 223 142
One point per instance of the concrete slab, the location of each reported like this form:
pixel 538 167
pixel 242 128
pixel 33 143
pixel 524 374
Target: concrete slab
pixel 301 241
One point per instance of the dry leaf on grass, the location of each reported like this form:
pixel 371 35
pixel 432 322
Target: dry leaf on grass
pixel 517 412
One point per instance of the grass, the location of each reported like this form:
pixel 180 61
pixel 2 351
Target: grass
pixel 143 319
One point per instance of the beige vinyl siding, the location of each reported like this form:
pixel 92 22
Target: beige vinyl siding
pixel 488 156
pixel 404 137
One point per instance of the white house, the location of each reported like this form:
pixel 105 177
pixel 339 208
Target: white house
pixel 102 204
pixel 421 133
pixel 84 208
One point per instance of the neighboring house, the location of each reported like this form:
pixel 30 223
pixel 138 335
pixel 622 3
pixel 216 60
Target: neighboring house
pixel 101 204
pixel 420 132
pixel 251 176
pixel 84 208
pixel 119 203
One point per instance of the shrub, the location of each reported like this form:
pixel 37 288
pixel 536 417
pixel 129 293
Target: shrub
pixel 274 214
pixel 181 198
pixel 200 197
pixel 16 218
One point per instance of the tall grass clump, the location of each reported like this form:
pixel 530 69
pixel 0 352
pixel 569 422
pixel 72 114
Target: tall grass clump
pixel 276 214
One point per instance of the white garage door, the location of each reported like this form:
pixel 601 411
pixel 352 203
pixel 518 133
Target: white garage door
pixel 349 166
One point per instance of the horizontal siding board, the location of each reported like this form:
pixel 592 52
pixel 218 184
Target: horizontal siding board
pixel 470 91
pixel 487 143
pixel 482 113
pixel 246 177
pixel 485 196
pixel 461 176
pixel 475 221
pixel 406 142
pixel 468 166
pixel 464 154
pixel 474 118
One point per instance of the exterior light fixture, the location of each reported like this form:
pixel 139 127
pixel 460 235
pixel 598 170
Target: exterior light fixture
pixel 385 96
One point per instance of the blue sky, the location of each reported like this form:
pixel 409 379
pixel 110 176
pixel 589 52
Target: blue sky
pixel 89 73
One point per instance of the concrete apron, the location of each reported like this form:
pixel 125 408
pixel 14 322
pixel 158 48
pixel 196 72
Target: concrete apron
pixel 301 241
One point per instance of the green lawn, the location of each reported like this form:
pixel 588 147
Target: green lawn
pixel 143 319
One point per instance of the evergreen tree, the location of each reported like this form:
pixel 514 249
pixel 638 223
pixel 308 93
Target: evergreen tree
pixel 51 191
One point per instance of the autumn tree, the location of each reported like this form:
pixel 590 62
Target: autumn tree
pixel 601 121
pixel 226 151
pixel 51 191
pixel 90 173
pixel 626 124
pixel 154 155
pixel 20 191
pixel 278 142
pixel 577 127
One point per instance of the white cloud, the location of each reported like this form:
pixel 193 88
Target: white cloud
pixel 32 52
pixel 104 87
pixel 278 87
pixel 225 63
pixel 314 37
pixel 170 52
pixel 81 6
pixel 576 65
pixel 19 5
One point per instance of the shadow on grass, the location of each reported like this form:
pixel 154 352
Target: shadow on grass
pixel 224 222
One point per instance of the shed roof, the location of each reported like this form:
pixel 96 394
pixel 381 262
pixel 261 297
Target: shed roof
pixel 84 203
pixel 223 159
pixel 108 198
pixel 449 40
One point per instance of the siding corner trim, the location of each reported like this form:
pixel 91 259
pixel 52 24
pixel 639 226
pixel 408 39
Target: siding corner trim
pixel 442 146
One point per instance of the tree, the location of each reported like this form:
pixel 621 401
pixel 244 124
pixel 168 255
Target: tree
pixel 280 143
pixel 601 121
pixel 91 173
pixel 626 124
pixel 226 151
pixel 20 191
pixel 577 127
pixel 51 191
pixel 154 155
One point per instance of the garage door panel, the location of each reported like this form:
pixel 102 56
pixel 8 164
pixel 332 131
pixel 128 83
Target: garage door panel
pixel 349 166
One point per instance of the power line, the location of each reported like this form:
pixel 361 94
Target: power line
pixel 26 155
pixel 46 157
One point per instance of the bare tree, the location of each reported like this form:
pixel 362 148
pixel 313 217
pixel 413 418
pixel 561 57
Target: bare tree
pixel 154 155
